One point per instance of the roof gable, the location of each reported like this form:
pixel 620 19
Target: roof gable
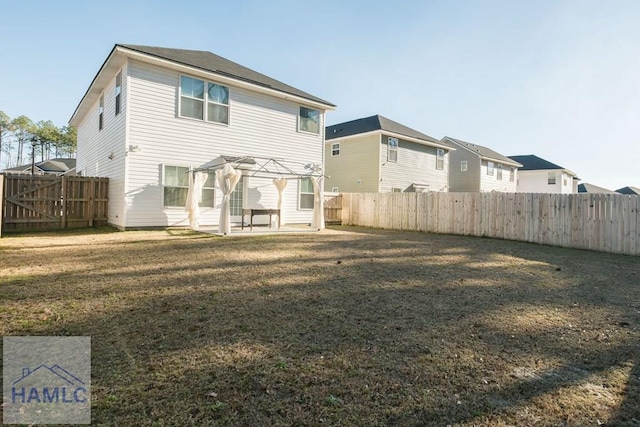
pixel 483 152
pixel 629 190
pixel 185 60
pixel 213 63
pixel 376 123
pixel 590 188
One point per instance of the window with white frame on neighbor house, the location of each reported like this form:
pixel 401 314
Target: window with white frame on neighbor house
pixel 211 104
pixel 101 113
pixel 551 178
pixel 309 120
pixel 499 173
pixel 512 174
pixel 306 197
pixel 439 159
pixel 175 180
pixel 118 92
pixel 392 150
pixel 490 168
pixel 464 166
pixel 335 149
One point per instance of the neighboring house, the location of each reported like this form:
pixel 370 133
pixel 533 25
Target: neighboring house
pixel 375 154
pixel 538 175
pixel 629 190
pixel 475 168
pixel 46 167
pixel 593 189
pixel 151 115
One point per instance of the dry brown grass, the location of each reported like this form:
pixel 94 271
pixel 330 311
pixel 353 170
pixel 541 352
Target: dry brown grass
pixel 345 327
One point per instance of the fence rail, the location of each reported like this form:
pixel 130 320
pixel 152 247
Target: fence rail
pixel 599 222
pixel 36 203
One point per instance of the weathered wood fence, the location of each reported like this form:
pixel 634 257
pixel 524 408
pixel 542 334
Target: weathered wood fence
pixel 599 222
pixel 40 202
pixel 333 209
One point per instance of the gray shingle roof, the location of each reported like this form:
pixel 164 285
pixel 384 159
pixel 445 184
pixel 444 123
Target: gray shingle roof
pixel 213 63
pixel 590 188
pixel 52 166
pixel 531 162
pixel 629 190
pixel 373 123
pixel 483 151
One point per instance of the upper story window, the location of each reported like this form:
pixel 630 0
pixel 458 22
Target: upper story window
pixel 512 174
pixel 551 178
pixel 392 150
pixel 565 182
pixel 440 159
pixel 490 168
pixel 118 91
pixel 499 173
pixel 464 166
pixel 335 149
pixel 196 103
pixel 101 113
pixel 309 120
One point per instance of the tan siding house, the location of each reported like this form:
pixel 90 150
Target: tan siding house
pixel 479 169
pixel 375 154
pixel 180 109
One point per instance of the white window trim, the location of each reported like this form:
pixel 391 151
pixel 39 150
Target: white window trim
pixel 319 120
pixel 162 177
pixel 555 178
pixel 332 149
pixel 335 190
pixel 512 174
pixel 101 112
pixel 396 190
pixel 490 171
pixel 464 165
pixel 117 95
pixel 439 158
pixel 499 171
pixel 389 149
pixel 204 100
pixel 300 193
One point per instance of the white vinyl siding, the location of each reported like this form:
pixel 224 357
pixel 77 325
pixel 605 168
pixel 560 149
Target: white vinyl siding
pixel 496 181
pixel 95 146
pixel 537 181
pixel 262 126
pixel 416 164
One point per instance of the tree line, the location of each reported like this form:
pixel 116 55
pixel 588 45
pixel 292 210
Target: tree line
pixel 20 137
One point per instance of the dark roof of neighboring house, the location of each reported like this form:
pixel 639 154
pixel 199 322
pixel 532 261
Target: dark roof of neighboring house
pixel 629 190
pixel 373 123
pixel 51 166
pixel 213 63
pixel 590 188
pixel 531 162
pixel 483 151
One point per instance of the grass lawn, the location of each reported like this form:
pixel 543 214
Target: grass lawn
pixel 350 326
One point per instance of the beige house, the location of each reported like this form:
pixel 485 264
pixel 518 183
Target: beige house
pixel 375 154
pixel 475 168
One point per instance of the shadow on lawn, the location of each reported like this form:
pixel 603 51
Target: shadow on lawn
pixel 390 336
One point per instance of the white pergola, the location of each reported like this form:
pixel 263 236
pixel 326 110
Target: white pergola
pixel 229 169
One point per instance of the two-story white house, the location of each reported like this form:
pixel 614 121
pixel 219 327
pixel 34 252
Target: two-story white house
pixel 376 154
pixel 538 175
pixel 151 115
pixel 475 168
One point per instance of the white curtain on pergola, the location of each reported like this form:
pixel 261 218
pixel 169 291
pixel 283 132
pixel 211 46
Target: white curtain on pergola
pixel 280 184
pixel 318 205
pixel 194 198
pixel 227 179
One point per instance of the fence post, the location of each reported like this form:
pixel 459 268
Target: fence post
pixel 92 198
pixel 1 201
pixel 63 200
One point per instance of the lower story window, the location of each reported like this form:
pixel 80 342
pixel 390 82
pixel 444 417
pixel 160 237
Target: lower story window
pixel 176 187
pixel 236 198
pixel 551 178
pixel 306 194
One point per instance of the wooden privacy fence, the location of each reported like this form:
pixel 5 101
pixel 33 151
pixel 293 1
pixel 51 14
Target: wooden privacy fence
pixel 599 222
pixel 333 208
pixel 32 203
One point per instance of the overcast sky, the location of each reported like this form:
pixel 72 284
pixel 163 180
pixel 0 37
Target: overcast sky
pixel 559 79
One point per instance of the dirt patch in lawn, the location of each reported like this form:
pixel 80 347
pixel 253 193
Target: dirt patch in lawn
pixel 349 326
